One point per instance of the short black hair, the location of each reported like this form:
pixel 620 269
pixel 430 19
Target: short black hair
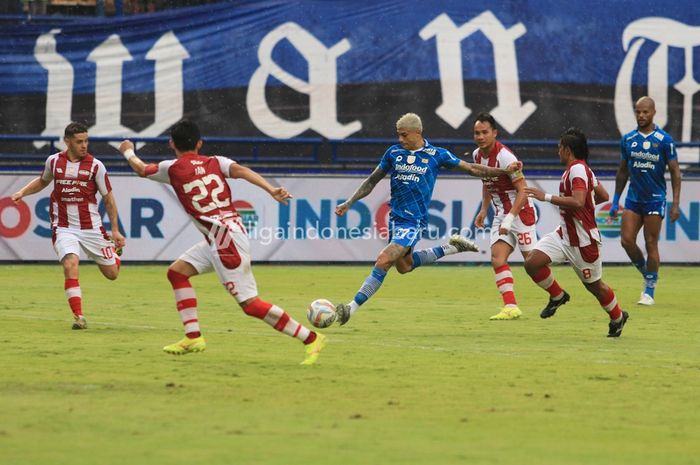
pixel 185 135
pixel 575 139
pixel 74 128
pixel 486 118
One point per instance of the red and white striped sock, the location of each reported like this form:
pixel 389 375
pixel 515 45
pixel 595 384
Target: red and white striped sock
pixel 609 304
pixel 546 281
pixel 504 283
pixel 74 296
pixel 186 301
pixel 279 319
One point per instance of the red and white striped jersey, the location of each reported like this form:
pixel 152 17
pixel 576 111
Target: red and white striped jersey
pixel 578 227
pixel 199 181
pixel 75 183
pixel 501 188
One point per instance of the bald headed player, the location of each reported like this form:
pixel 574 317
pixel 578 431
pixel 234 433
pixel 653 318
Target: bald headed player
pixel 646 152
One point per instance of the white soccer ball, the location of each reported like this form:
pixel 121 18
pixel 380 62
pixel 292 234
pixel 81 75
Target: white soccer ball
pixel 321 313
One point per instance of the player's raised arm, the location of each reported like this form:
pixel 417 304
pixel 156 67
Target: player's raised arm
pixel 280 194
pixel 481 171
pixel 35 185
pixel 363 191
pixel 127 149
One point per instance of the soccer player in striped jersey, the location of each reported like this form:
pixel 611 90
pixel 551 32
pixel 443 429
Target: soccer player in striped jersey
pixel 576 239
pixel 646 152
pixel 514 219
pixel 75 219
pixel 414 165
pixel 199 182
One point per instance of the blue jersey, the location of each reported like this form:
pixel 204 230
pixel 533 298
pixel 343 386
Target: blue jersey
pixel 647 157
pixel 413 176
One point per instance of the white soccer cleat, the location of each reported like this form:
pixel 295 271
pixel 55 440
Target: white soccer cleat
pixel 645 299
pixel 462 244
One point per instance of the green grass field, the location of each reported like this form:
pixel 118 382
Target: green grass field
pixel 418 376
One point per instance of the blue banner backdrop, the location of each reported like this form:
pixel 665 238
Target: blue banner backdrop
pixel 343 69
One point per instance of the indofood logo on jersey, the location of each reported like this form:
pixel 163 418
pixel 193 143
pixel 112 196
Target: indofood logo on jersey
pixel 249 216
pixel 607 225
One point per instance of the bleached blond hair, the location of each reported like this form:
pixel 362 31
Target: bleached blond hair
pixel 410 121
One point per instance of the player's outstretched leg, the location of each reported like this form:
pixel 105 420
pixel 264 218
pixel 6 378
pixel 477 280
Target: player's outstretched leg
pixel 371 285
pixel 282 322
pixel 618 317
pixel 186 301
pixel 75 302
pixel 557 295
pixel 455 245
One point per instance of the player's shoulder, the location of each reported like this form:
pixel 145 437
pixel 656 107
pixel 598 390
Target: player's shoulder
pixel 629 135
pixel 504 152
pixel 662 136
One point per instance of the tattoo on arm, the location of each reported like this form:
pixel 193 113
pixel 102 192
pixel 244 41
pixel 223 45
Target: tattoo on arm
pixel 367 185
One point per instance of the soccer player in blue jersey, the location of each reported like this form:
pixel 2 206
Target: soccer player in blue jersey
pixel 646 152
pixel 413 164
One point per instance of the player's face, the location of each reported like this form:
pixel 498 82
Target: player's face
pixel 644 113
pixel 77 144
pixel 484 135
pixel 563 154
pixel 410 139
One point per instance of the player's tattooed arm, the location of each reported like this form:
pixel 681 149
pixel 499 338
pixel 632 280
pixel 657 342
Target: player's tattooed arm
pixel 481 171
pixel 363 191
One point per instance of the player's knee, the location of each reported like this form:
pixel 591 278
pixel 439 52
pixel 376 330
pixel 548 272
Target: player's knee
pixel 404 268
pixel 111 274
pixel 531 268
pixel 627 241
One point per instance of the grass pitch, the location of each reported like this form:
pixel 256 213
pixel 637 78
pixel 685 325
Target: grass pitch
pixel 418 376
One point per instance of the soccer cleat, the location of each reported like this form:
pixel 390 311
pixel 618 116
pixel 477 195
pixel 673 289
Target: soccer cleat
pixel 313 349
pixel 553 305
pixel 615 329
pixel 646 299
pixel 507 313
pixel 343 312
pixel 186 345
pixel 79 323
pixel 462 244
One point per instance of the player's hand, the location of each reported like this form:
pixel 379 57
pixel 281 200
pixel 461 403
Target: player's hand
pixel 535 193
pixel 614 208
pixel 515 166
pixel 675 213
pixel 506 224
pixel 341 209
pixel 126 145
pixel 479 221
pixel 281 195
pixel 118 239
pixel 16 197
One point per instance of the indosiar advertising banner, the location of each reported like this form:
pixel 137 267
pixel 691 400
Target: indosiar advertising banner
pixel 342 69
pixel 307 229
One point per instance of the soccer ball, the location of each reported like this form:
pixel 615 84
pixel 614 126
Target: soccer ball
pixel 321 313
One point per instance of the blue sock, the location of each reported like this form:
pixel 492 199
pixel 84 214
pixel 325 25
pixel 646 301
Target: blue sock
pixel 370 286
pixel 650 283
pixel 641 265
pixel 427 256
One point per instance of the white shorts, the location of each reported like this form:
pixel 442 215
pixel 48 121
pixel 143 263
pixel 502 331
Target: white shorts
pixel 94 242
pixel 553 246
pixel 230 260
pixel 520 235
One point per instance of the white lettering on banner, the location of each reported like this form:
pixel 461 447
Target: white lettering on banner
pixel 59 90
pixel 321 87
pixel 666 33
pixel 109 58
pixel 510 112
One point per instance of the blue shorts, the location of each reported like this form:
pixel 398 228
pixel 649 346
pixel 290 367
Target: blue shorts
pixel 405 233
pixel 656 207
